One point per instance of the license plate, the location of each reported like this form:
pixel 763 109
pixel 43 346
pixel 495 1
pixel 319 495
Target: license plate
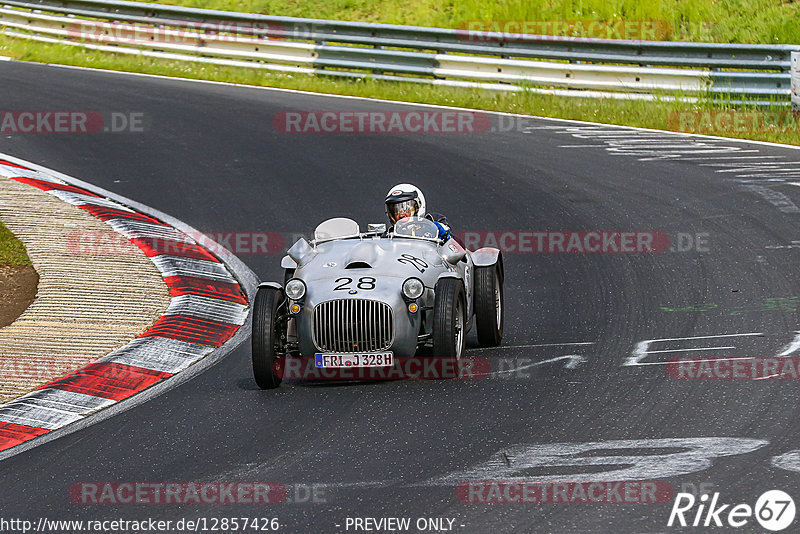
pixel 371 359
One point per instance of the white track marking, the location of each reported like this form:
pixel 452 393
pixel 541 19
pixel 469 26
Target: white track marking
pixel 754 179
pixel 750 164
pixel 666 146
pixel 792 346
pixel 625 135
pixel 769 168
pixel 534 346
pixel 698 360
pixel 573 360
pixel 726 158
pixel 640 352
pixel 776 198
pixel 512 463
pixel 789 461
pixel 688 350
pixel 766 169
pixel 794 244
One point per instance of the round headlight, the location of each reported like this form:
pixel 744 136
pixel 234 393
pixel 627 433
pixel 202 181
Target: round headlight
pixel 413 288
pixel 295 289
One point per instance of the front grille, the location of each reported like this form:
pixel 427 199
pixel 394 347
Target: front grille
pixel 353 325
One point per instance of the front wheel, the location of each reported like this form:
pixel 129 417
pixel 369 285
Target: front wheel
pixel 489 305
pixel 449 319
pixel 269 337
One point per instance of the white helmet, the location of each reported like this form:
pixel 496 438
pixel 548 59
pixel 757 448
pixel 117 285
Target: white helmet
pixel 404 200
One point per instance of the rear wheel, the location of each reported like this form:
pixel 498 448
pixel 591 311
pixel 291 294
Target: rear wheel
pixel 449 319
pixel 489 305
pixel 269 337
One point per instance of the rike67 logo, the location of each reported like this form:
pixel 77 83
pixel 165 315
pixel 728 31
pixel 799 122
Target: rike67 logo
pixel 774 510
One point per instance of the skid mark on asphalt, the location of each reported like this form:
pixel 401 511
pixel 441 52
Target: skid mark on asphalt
pixel 508 366
pixel 573 360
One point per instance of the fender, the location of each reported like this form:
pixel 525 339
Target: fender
pixel 449 274
pixel 488 256
pixel 274 285
pixel 288 263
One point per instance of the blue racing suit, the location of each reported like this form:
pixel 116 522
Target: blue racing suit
pixel 441 223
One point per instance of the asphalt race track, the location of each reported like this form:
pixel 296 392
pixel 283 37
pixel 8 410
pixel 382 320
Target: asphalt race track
pixel 210 156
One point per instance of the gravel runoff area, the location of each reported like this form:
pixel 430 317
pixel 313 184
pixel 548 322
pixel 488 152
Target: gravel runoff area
pixel 90 300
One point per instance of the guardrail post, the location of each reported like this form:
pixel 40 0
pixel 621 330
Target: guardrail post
pixel 796 82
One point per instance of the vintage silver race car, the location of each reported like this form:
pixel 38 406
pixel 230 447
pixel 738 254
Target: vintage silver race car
pixel 353 299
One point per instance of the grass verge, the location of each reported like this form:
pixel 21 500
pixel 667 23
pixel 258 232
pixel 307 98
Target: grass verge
pixel 18 279
pixel 720 21
pixel 12 251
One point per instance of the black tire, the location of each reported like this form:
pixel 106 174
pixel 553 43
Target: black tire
pixel 489 308
pixel 269 338
pixel 449 319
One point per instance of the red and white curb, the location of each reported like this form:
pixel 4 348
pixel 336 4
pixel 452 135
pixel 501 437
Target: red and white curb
pixel 208 307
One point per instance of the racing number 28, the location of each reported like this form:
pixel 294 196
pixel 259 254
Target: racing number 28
pixel 365 282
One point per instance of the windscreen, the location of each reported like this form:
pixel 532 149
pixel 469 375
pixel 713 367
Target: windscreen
pixel 416 227
pixel 337 228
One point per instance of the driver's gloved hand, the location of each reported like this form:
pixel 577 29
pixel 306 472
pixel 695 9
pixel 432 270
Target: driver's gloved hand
pixel 444 230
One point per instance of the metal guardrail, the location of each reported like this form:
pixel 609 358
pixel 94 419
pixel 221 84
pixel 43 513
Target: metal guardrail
pixel 428 55
pixel 795 74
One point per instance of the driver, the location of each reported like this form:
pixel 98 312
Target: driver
pixel 406 200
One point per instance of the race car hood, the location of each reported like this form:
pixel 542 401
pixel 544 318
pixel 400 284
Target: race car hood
pixel 380 257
